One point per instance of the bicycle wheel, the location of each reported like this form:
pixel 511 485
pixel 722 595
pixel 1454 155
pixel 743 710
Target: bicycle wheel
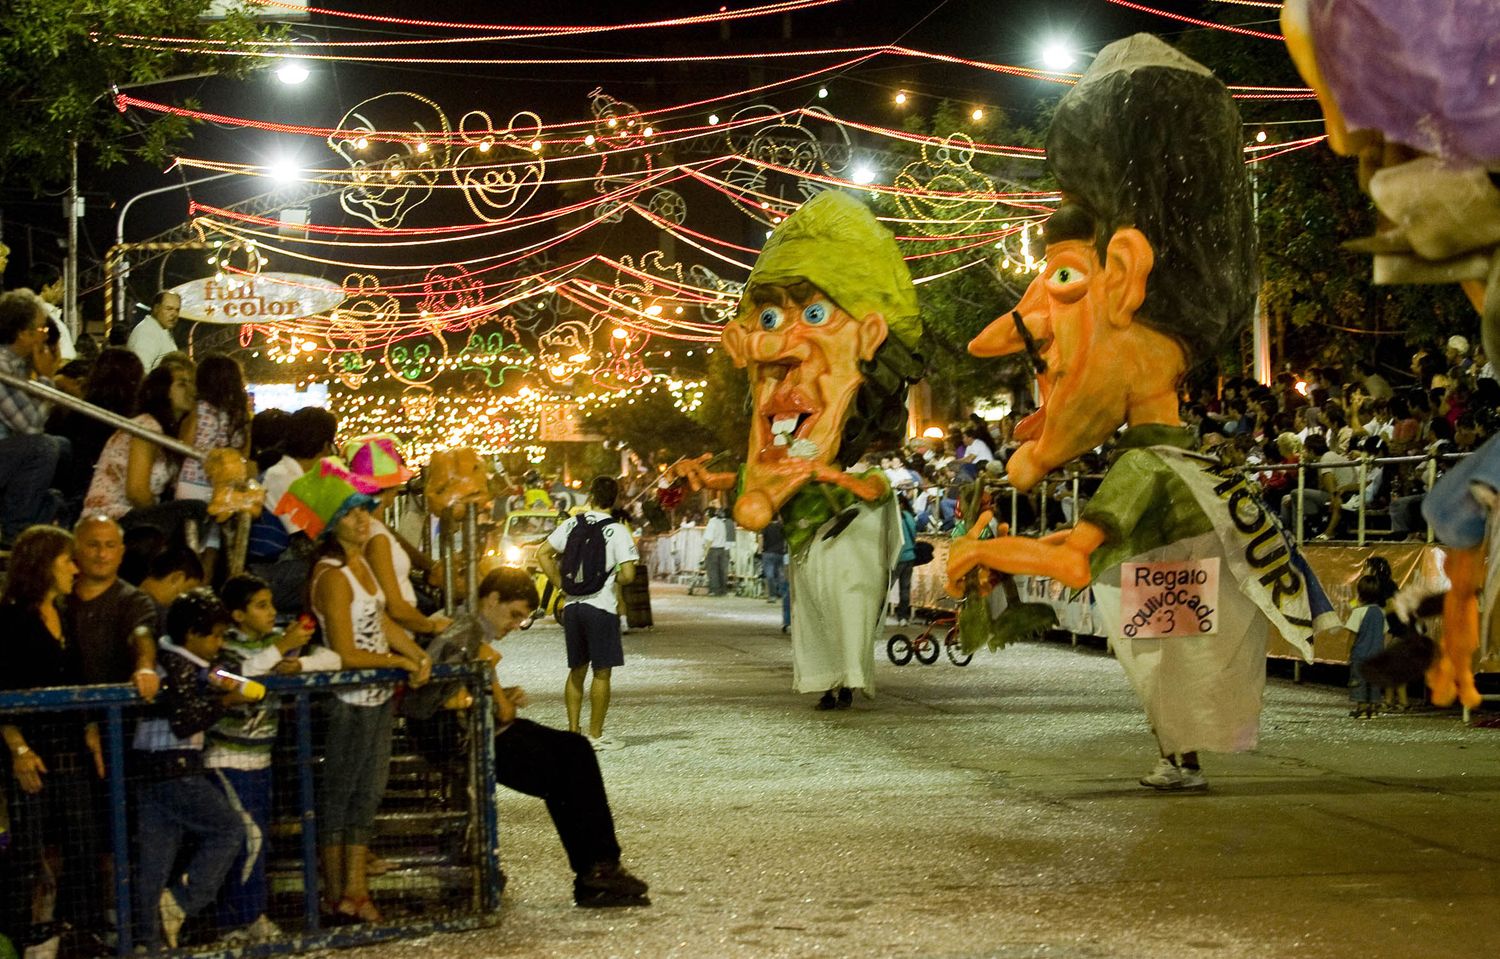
pixel 925 647
pixel 898 648
pixel 956 654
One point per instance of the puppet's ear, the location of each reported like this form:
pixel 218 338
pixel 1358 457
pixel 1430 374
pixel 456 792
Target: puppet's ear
pixel 872 331
pixel 736 342
pixel 1127 263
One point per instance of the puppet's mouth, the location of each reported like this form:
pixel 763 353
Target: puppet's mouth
pixel 784 428
pixel 1031 427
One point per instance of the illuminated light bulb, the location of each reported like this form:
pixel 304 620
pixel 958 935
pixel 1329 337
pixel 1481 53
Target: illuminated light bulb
pixel 1260 136
pixel 678 311
pixel 630 123
pixel 485 144
pixel 822 93
pixel 588 140
pixel 619 334
pixel 212 260
pixel 978 114
pixel 536 145
pixel 292 73
pixel 901 98
pixel 361 143
pixel 648 131
pixel 422 147
pixel 613 123
pixel 864 175
pixel 713 118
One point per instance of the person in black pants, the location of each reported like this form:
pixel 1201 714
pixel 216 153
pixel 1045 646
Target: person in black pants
pixel 556 766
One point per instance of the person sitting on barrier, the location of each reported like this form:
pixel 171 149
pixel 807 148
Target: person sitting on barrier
pixel 28 456
pixel 174 799
pixel 133 474
pixel 238 752
pixel 53 755
pixel 333 506
pixel 378 459
pixel 555 766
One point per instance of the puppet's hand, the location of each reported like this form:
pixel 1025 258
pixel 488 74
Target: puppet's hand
pixel 693 470
pixel 965 554
pixel 868 490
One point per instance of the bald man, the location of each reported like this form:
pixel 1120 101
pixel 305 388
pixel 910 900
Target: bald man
pixel 110 622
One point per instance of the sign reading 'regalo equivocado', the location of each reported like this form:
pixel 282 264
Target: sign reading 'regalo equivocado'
pixel 257 298
pixel 1169 599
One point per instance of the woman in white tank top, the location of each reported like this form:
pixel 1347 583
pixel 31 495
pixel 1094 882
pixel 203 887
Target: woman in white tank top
pixel 333 505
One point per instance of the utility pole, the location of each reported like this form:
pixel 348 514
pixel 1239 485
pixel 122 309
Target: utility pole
pixel 73 209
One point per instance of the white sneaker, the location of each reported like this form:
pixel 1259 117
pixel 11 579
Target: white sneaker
pixel 605 743
pixel 172 918
pixel 43 950
pixel 264 930
pixel 1169 776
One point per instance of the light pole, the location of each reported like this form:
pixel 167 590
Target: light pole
pixel 122 270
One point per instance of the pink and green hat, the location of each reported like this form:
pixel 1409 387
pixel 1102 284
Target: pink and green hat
pixel 319 498
pixel 377 458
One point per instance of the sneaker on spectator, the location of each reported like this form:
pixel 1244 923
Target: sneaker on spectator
pixel 46 949
pixel 605 743
pixel 172 918
pixel 1193 779
pixel 263 929
pixel 609 884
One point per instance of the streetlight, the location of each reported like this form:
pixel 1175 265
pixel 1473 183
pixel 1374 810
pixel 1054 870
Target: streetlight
pixel 292 72
pixel 123 272
pixel 1057 55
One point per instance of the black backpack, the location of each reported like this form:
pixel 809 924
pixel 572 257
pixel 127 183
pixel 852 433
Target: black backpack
pixel 584 564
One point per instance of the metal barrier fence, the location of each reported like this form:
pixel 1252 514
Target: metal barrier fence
pixel 1072 482
pixel 436 826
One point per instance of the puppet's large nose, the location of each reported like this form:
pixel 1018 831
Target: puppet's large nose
pixel 1017 330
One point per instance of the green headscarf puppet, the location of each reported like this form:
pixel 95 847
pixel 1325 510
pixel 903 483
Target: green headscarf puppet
pixel 827 330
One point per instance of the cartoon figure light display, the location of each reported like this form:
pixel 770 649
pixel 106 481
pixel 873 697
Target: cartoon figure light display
pixel 826 330
pixel 1150 263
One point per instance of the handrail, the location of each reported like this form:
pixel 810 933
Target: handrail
pixel 52 394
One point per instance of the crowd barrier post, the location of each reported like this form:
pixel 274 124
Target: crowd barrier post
pixel 1042 509
pixel 445 536
pixel 1364 472
pixel 307 810
pixel 1074 518
pixel 1431 481
pixel 1015 510
pixel 119 826
pixel 471 557
pixel 1301 503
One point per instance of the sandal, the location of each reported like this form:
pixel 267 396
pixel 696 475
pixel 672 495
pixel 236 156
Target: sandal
pixel 359 909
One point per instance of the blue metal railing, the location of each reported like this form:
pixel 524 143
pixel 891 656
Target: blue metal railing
pixel 113 701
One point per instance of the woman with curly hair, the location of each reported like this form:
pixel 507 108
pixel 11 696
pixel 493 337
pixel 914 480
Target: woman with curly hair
pixel 52 755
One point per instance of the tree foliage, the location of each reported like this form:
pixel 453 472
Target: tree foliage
pixel 57 64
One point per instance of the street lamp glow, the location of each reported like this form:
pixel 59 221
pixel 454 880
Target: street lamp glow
pixel 864 175
pixel 1057 56
pixel 292 72
pixel 285 170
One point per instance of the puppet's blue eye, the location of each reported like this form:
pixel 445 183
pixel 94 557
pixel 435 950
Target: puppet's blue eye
pixel 770 318
pixel 816 314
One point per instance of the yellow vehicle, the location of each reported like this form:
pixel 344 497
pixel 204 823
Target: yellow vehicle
pixel 515 539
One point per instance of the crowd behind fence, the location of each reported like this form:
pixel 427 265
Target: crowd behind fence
pixel 435 833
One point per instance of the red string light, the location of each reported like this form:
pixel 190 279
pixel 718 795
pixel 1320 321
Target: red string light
pixel 1260 34
pixel 785 6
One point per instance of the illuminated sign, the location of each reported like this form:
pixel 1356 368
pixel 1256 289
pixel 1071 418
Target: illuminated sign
pixel 261 298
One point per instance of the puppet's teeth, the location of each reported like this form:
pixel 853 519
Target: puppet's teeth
pixel 779 439
pixel 784 425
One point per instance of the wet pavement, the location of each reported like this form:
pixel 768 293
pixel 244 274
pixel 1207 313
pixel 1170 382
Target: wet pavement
pixel 990 810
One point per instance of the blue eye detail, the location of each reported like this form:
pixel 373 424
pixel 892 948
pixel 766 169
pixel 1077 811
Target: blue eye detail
pixel 816 314
pixel 770 318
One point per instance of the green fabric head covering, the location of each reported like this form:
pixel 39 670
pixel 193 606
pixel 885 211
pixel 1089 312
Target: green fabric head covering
pixel 835 243
pixel 319 498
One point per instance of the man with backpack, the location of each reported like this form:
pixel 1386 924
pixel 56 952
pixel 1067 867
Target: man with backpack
pixel 585 556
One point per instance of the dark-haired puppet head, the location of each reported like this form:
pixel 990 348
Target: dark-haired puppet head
pixel 1150 259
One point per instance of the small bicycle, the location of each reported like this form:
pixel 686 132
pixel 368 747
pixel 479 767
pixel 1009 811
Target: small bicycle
pixel 926 646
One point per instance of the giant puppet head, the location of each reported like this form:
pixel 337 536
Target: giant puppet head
pixel 826 330
pixel 1150 258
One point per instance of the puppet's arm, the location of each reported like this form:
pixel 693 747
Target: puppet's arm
pixel 1065 560
pixel 698 477
pixel 868 488
pixel 1452 675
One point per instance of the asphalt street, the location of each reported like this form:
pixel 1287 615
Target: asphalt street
pixel 990 810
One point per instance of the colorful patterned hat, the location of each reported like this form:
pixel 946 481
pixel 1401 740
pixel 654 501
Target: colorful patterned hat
pixel 319 498
pixel 377 458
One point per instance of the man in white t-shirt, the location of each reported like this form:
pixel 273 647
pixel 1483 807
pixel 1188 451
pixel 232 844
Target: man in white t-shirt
pixel 152 337
pixel 591 623
pixel 716 552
